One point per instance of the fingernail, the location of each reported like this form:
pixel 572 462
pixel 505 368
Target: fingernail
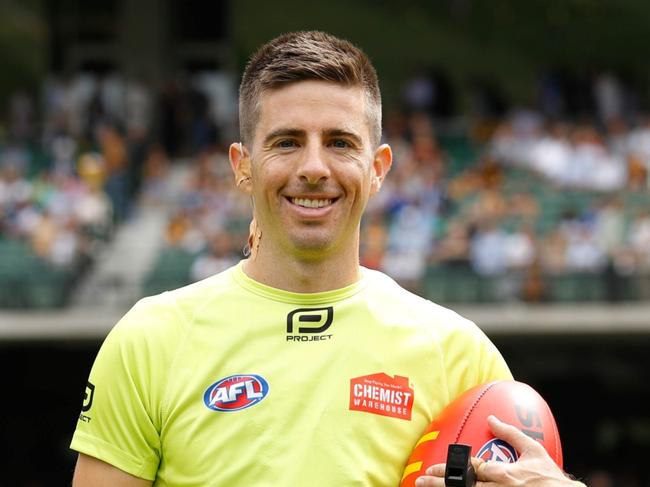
pixel 429 471
pixel 419 482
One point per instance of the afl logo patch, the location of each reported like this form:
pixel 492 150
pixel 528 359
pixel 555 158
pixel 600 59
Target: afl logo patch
pixel 497 451
pixel 236 392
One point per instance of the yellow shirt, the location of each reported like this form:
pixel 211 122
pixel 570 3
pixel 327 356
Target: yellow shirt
pixel 228 382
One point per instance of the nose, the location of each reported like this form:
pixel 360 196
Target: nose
pixel 313 166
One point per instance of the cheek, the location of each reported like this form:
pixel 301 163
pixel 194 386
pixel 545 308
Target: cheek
pixel 355 173
pixel 267 178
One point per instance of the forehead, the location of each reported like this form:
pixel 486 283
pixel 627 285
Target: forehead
pixel 313 106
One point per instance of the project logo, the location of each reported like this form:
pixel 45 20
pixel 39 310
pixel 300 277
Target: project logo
pixel 89 394
pixel 309 324
pixel 236 392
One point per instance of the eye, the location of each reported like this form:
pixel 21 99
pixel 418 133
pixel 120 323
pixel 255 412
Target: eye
pixel 286 143
pixel 340 144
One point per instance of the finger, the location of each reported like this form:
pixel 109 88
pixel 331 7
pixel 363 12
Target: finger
pixel 511 434
pixel 437 470
pixel 480 483
pixel 487 472
pixel 477 463
pixel 428 481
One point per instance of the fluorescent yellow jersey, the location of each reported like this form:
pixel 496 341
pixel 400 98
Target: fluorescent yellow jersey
pixel 228 382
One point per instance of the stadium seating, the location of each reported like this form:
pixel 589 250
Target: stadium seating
pixel 29 282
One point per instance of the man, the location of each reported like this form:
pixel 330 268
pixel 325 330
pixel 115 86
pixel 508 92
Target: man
pixel 297 366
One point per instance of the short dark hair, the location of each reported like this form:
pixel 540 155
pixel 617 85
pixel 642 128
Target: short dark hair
pixel 306 55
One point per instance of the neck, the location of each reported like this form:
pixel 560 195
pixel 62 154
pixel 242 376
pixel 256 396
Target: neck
pixel 304 275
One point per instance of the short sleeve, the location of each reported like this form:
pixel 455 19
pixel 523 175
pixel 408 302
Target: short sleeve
pixel 471 358
pixel 120 417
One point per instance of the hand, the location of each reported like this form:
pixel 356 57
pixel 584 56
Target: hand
pixel 534 468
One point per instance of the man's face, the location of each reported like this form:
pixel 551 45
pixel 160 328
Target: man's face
pixel 313 167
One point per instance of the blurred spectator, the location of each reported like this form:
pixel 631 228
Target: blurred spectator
pixel 155 176
pixel 43 235
pixel 113 148
pixel 183 233
pixel 609 97
pixel 520 249
pixel 523 205
pixel 429 91
pixel 533 287
pixel 640 240
pixel 454 248
pixel 489 205
pixel 218 257
pixel 639 153
pixel 63 150
pixel 582 251
pixel 419 93
pixel 553 253
pixel 94 210
pixel 56 212
pixel 410 237
pixel 487 250
pixel 137 106
pixel 609 231
pixel 574 157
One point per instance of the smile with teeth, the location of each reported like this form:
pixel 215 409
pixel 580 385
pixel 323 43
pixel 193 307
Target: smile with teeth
pixel 311 203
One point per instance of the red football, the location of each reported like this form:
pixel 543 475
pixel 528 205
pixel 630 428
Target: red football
pixel 465 421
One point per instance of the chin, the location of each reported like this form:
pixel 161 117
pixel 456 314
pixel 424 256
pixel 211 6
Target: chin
pixel 313 247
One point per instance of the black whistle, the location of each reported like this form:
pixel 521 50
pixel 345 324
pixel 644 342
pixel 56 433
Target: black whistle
pixel 459 471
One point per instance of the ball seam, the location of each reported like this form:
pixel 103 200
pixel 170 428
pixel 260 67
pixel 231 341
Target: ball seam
pixel 471 409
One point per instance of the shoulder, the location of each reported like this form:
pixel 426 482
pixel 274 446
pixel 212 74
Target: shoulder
pixel 388 296
pixel 467 354
pixel 167 316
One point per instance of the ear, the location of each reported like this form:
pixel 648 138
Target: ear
pixel 380 166
pixel 240 162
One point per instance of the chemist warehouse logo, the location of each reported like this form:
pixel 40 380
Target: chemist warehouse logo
pixel 382 394
pixel 236 392
pixel 309 324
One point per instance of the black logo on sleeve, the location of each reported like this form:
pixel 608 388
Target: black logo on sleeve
pixel 89 394
pixel 88 397
pixel 309 324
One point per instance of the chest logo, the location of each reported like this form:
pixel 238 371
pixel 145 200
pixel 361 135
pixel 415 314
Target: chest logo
pixel 382 394
pixel 309 324
pixel 236 392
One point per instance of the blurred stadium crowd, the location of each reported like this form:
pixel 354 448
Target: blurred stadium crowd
pixel 545 203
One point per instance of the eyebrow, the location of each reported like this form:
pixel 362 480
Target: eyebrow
pixel 292 132
pixel 284 132
pixel 342 133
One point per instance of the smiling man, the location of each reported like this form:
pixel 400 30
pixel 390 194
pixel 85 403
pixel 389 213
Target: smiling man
pixel 313 162
pixel 297 366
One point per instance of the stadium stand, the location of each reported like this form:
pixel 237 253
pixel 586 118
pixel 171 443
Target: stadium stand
pixel 529 209
pixel 519 227
pixel 514 217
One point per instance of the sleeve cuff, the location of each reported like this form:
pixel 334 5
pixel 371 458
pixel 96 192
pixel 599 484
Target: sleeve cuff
pixel 100 449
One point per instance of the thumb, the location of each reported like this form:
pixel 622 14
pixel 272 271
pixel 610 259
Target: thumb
pixel 512 435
